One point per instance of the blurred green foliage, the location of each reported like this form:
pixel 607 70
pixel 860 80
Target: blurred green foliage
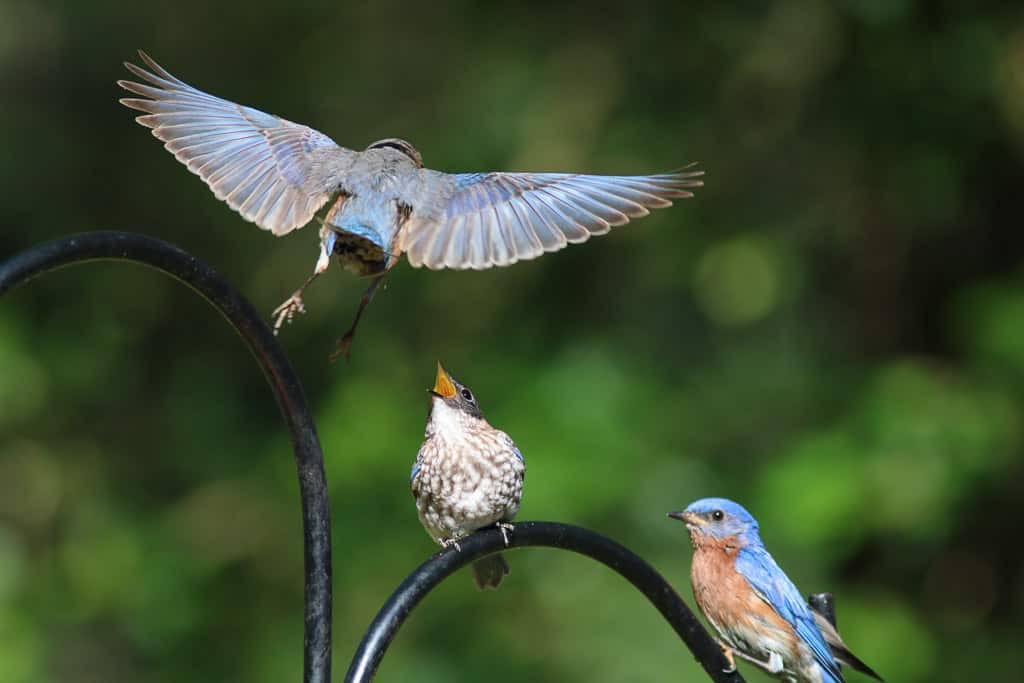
pixel 831 332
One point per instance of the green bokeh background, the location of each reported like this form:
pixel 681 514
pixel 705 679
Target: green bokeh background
pixel 831 332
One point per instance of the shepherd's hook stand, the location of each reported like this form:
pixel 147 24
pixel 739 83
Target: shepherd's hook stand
pixel 250 326
pixel 241 315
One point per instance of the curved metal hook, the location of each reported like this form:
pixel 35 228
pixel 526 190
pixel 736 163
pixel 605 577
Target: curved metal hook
pixel 428 575
pixel 276 367
pixel 824 604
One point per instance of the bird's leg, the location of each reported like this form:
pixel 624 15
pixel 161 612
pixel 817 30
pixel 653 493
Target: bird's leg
pixel 293 304
pixel 345 343
pixel 448 542
pixel 505 528
pixel 774 660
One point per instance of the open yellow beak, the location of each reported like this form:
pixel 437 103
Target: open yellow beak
pixel 443 385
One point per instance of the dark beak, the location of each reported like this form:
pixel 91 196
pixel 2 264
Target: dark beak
pixel 691 519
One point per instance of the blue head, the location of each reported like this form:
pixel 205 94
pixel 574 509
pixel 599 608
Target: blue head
pixel 717 521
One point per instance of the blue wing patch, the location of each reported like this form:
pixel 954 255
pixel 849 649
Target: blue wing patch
pixel 519 455
pixel 771 583
pixel 415 471
pixel 354 226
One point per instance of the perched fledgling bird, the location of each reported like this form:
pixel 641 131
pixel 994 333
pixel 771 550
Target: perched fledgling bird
pixel 277 174
pixel 758 612
pixel 467 474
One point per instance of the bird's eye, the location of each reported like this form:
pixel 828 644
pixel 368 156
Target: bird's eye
pixel 717 515
pixel 468 395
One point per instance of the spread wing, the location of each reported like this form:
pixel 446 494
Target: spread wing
pixel 775 588
pixel 274 172
pixel 496 219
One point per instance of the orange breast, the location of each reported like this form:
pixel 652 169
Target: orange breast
pixel 745 621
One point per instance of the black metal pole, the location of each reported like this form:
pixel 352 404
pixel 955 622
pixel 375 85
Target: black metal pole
pixel 527 534
pixel 276 367
pixel 824 604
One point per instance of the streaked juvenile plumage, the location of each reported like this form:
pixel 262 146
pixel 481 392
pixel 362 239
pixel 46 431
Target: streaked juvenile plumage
pixel 467 474
pixel 278 174
pixel 758 612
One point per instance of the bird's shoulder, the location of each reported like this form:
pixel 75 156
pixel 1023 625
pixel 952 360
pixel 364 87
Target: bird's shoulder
pixel 507 444
pixel 758 566
pixel 427 456
pixel 505 439
pixel 328 168
pixel 432 443
pixel 424 191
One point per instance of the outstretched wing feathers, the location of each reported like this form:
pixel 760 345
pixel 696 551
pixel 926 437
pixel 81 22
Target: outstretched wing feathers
pixel 496 219
pixel 275 173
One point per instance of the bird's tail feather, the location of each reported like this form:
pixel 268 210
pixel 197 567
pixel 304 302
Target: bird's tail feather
pixel 488 572
pixel 844 656
pixel 840 651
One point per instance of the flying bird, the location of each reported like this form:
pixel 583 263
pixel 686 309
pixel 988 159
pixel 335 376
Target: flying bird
pixel 383 203
pixel 759 614
pixel 468 475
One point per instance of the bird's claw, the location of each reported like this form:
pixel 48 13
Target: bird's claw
pixel 774 665
pixel 505 528
pixel 286 311
pixel 342 347
pixel 727 651
pixel 449 542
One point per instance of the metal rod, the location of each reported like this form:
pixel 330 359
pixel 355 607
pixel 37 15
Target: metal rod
pixel 428 575
pixel 240 314
pixel 824 604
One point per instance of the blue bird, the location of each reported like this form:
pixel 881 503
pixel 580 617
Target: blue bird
pixel 467 475
pixel 758 612
pixel 278 174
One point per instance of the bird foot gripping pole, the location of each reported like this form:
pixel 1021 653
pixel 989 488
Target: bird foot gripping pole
pixel 772 666
pixel 505 528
